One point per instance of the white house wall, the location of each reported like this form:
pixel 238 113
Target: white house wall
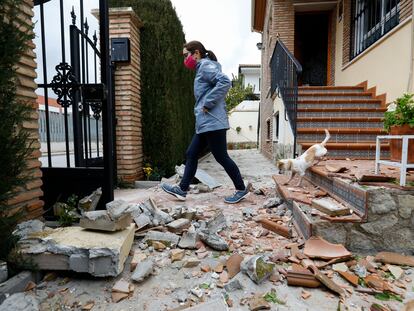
pixel 247 121
pixel 283 143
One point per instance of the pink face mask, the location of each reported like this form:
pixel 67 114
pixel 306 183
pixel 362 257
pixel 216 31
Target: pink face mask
pixel 190 62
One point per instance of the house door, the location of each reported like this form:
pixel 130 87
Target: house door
pixel 311 47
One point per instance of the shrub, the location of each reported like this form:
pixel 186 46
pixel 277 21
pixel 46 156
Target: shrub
pixel 14 139
pixel 166 85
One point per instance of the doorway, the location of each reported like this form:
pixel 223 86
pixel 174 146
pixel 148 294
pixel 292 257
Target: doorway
pixel 311 47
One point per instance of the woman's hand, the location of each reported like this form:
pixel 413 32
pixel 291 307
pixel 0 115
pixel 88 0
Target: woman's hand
pixel 205 110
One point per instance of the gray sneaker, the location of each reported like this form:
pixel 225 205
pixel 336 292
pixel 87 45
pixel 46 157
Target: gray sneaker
pixel 174 190
pixel 237 196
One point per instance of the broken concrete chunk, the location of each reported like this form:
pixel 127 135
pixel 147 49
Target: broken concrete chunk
pixel 335 168
pixel 201 175
pixel 3 271
pixel 142 221
pixel 233 286
pixel 257 268
pixel 273 202
pixel 158 216
pixel 143 270
pixel 20 301
pixel 100 220
pixel 188 239
pixel 136 259
pixel 191 263
pixel 340 267
pixel 177 226
pixel 216 305
pixel 395 258
pixel 217 223
pixel 24 229
pixel 121 286
pixel 330 207
pixel 177 254
pixel 117 297
pixel 167 238
pixel 117 208
pixel 317 247
pixel 74 248
pixel 213 240
pixel 258 303
pixel 396 271
pixel 90 202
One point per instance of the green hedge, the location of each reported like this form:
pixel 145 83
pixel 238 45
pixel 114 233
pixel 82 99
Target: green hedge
pixel 14 139
pixel 166 85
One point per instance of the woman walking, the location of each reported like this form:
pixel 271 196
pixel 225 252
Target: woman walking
pixel 210 89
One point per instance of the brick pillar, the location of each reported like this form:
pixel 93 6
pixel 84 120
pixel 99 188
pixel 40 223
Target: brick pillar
pixel 125 23
pixel 28 198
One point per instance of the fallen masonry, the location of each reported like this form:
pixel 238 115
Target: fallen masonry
pixel 74 248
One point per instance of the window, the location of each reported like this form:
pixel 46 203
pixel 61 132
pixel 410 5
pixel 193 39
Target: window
pixel 276 127
pixel 371 19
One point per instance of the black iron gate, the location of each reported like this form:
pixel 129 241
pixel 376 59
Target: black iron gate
pixel 83 87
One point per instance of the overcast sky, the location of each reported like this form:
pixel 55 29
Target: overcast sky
pixel 223 26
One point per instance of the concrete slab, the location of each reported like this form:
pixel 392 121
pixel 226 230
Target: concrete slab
pixel 100 220
pixel 74 248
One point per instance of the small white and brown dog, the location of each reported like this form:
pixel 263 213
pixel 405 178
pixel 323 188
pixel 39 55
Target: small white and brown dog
pixel 303 162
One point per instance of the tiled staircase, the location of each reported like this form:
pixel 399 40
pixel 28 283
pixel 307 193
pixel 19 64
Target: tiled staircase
pixel 353 115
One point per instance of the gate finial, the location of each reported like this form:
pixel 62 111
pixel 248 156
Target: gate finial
pixel 73 15
pixel 86 26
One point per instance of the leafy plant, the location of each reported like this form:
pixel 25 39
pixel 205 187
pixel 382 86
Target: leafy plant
pixel 385 296
pixel 67 212
pixel 272 297
pixel 14 138
pixel 204 286
pixel 238 93
pixel 400 112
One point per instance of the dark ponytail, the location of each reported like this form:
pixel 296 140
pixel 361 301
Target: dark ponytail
pixel 192 46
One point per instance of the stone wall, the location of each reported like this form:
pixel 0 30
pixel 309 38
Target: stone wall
pixel 389 226
pixel 125 23
pixel 28 197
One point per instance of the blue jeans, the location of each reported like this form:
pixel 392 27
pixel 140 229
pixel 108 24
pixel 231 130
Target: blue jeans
pixel 217 143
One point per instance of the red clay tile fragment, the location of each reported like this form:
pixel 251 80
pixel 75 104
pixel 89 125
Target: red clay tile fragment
pixel 299 276
pixel 233 265
pixel 395 258
pixel 276 228
pixel 350 277
pixel 317 247
pixel 327 281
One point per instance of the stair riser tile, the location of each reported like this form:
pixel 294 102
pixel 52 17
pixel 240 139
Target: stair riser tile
pixel 356 154
pixel 338 137
pixel 339 105
pixel 345 124
pixel 337 114
pixel 341 91
pixel 334 97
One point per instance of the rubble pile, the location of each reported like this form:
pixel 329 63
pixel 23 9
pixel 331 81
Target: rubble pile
pixel 238 257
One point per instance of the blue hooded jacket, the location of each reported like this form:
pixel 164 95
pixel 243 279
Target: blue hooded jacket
pixel 210 89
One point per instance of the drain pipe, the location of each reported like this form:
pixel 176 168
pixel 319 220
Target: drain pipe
pixel 410 76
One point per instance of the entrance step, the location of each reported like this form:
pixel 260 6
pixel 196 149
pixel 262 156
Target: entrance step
pixel 340 122
pixel 353 116
pixel 307 220
pixel 330 89
pixel 316 135
pixel 344 112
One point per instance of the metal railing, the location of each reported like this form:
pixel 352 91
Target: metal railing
pixel 371 19
pixel 285 69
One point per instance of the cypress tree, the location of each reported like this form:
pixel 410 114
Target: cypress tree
pixel 14 139
pixel 166 86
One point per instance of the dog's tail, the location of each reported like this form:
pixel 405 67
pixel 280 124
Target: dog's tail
pixel 326 138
